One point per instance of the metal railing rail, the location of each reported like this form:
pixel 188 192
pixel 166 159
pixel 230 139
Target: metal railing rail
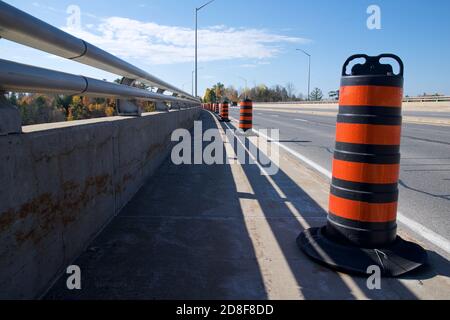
pixel 17 77
pixel 20 27
pixel 427 99
pixel 406 99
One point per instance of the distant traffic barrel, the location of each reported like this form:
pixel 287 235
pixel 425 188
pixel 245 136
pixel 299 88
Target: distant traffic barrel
pixel 246 115
pixel 366 166
pixel 224 111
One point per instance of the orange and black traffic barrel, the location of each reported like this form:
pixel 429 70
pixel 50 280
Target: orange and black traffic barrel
pixel 217 107
pixel 246 115
pixel 224 112
pixel 361 230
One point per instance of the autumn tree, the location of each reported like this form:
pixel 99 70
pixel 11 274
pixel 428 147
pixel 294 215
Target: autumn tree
pixel 219 91
pixel 231 94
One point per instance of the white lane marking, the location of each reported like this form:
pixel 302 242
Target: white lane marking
pixel 303 120
pixel 423 231
pixel 431 236
pixel 426 233
pixel 312 164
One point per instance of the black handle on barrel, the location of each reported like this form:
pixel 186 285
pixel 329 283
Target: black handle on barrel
pixel 373 61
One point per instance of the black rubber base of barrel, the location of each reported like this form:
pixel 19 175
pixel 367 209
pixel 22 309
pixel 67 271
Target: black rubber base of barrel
pixel 394 260
pixel 224 120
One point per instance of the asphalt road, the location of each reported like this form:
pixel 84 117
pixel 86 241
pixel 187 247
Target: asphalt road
pixel 425 165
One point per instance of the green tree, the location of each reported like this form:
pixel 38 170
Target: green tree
pixel 316 95
pixel 210 96
pixel 63 102
pixel 12 99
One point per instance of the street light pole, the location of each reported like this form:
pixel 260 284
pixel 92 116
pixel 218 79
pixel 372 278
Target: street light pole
pixel 245 90
pixel 193 71
pixel 196 43
pixel 309 72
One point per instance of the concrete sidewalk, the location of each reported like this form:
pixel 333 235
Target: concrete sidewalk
pixel 227 232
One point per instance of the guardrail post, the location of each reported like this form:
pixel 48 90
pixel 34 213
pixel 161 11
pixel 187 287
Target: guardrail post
pixel 161 105
pixel 128 107
pixel 175 105
pixel 10 119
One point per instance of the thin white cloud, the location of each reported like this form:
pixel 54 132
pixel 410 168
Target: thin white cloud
pixel 248 65
pixel 153 43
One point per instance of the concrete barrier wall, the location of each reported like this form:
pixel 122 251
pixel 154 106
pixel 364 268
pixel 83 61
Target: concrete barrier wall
pixel 62 183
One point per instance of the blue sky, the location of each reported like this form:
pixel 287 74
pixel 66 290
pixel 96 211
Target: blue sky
pixel 252 39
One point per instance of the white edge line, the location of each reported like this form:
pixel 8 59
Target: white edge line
pixel 424 232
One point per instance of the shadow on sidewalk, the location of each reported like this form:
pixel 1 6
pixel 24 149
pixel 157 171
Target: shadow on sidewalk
pixel 185 236
pixel 314 280
pixel 182 236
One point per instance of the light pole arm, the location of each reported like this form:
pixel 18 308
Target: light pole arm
pixel 309 71
pixel 196 43
pixel 209 2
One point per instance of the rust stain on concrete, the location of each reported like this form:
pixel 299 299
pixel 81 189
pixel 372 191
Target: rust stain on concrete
pixel 154 149
pixel 42 214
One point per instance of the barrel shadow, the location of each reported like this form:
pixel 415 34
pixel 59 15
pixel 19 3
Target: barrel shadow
pixel 314 280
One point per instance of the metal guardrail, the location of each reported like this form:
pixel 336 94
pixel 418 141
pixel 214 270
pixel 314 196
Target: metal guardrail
pixel 17 77
pixel 427 99
pixel 22 28
pixel 406 99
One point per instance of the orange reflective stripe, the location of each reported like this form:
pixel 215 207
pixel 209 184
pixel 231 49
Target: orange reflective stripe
pixel 246 104
pixel 363 211
pixel 368 134
pixel 370 96
pixel 366 172
pixel 245 126
pixel 246 118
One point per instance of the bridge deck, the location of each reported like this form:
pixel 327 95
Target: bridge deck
pixel 226 232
